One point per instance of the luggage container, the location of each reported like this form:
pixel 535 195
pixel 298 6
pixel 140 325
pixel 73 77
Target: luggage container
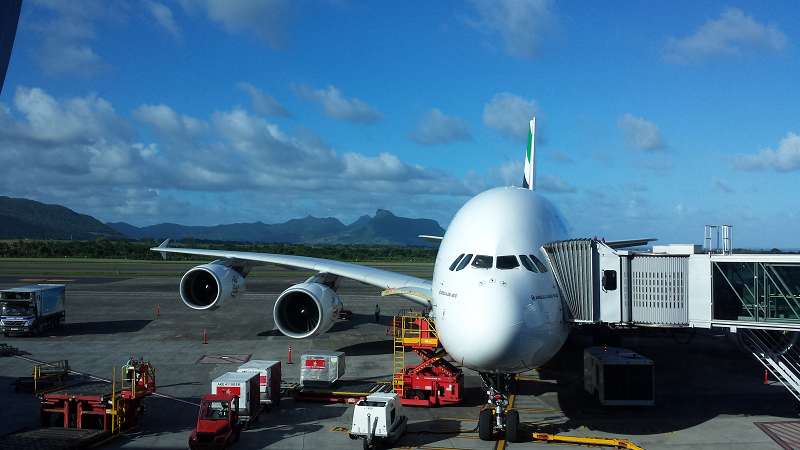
pixel 243 385
pixel 618 376
pixel 269 379
pixel 320 368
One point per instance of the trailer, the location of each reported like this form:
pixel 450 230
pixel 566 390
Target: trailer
pixel 321 368
pixel 243 385
pixel 618 376
pixel 269 379
pixel 32 309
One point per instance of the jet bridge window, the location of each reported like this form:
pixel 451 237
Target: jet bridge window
pixel 455 263
pixel 507 262
pixel 464 262
pixel 482 262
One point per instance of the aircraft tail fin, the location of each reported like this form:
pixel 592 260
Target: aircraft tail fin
pixel 529 180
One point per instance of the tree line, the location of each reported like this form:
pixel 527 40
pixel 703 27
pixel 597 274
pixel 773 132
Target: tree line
pixel 121 249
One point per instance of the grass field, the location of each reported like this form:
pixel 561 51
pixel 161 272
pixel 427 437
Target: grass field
pixel 121 268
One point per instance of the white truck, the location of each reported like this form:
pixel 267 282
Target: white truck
pixel 32 309
pixel 377 420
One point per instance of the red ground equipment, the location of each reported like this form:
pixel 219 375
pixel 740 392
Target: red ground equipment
pixel 432 382
pixel 98 405
pixel 218 424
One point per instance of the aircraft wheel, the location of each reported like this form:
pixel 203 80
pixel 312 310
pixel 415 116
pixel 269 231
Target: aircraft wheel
pixel 512 426
pixel 485 425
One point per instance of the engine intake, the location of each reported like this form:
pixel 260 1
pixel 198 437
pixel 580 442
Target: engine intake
pixel 208 286
pixel 306 309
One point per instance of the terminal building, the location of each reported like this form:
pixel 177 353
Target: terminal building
pixel 755 295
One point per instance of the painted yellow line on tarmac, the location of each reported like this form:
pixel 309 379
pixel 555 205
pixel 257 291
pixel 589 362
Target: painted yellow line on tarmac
pixel 501 443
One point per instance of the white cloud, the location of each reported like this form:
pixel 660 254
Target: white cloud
pixel 640 134
pixel 84 155
pixel 435 127
pixel 66 33
pixel 785 159
pixel 732 34
pixel 169 123
pixel 266 19
pixel 523 24
pixel 163 17
pixel 509 114
pixel 337 106
pixel 262 102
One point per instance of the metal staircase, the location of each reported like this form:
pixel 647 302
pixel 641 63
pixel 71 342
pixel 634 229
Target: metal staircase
pixel 778 352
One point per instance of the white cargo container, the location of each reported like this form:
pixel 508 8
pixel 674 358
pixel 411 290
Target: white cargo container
pixel 269 379
pixel 618 376
pixel 320 368
pixel 243 384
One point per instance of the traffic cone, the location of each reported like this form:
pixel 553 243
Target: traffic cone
pixel 766 376
pixel 290 354
pixel 205 336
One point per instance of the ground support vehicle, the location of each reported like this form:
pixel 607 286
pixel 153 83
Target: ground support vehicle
pixel 32 309
pixel 378 420
pixel 88 411
pixel 432 382
pixel 218 422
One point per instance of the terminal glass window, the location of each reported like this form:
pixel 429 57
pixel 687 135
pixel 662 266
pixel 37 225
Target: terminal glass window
pixel 482 262
pixel 455 263
pixel 756 291
pixel 464 262
pixel 507 262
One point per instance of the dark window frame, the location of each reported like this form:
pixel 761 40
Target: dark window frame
pixel 464 261
pixel 455 263
pixel 506 266
pixel 482 258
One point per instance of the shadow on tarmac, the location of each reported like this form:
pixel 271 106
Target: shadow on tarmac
pixel 695 382
pixel 104 327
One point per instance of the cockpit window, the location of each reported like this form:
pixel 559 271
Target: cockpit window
pixel 528 264
pixel 539 264
pixel 455 263
pixel 507 262
pixel 482 262
pixel 464 262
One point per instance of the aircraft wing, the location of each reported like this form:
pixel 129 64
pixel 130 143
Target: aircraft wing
pixel 629 243
pixel 407 286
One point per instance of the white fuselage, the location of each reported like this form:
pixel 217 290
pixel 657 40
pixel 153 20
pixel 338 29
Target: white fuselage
pixel 493 319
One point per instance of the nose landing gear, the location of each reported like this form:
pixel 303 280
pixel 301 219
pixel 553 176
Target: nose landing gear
pixel 496 416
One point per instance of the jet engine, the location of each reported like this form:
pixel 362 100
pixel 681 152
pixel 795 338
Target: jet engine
pixel 306 309
pixel 208 286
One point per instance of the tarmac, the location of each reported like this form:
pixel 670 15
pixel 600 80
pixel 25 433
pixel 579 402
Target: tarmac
pixel 709 393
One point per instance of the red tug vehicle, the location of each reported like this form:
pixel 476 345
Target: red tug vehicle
pixel 432 382
pixel 218 424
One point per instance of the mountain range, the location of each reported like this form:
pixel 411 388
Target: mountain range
pixel 29 219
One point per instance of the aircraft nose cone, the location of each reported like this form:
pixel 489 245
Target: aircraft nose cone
pixel 483 331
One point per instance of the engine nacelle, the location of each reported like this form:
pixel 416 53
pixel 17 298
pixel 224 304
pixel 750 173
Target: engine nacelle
pixel 306 309
pixel 208 286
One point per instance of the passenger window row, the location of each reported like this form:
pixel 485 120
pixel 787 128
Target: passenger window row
pixel 505 262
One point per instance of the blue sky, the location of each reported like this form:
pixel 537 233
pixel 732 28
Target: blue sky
pixel 655 119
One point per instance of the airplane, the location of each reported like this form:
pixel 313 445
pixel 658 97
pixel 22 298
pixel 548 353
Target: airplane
pixel 493 299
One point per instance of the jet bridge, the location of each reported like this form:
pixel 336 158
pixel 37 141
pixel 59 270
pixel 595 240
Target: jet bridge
pixel 756 295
